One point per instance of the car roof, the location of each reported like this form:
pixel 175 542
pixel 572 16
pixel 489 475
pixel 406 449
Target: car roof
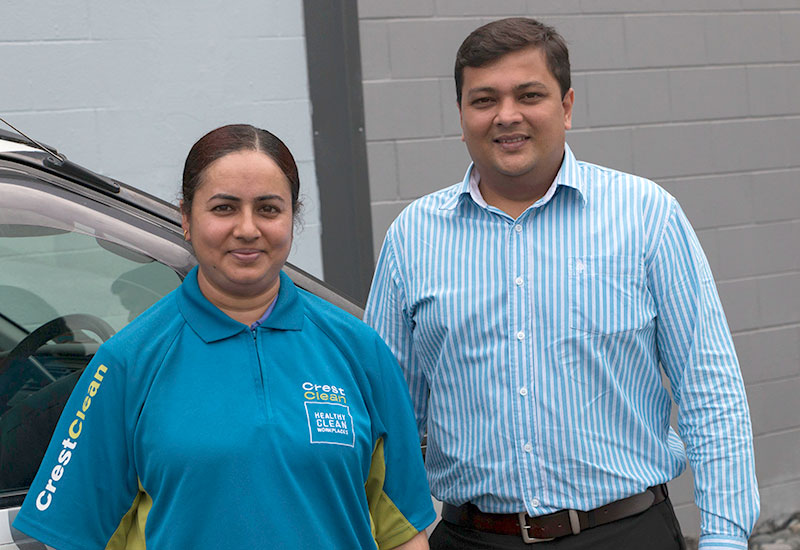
pixel 12 146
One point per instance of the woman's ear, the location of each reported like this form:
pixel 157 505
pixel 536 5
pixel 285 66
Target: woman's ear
pixel 185 223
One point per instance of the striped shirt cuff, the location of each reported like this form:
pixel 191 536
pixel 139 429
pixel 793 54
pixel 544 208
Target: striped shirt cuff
pixel 722 542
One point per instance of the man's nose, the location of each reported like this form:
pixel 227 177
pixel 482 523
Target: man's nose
pixel 508 112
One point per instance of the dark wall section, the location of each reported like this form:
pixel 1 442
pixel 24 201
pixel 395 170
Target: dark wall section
pixel 334 72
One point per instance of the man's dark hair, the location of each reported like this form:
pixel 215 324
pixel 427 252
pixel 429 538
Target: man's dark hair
pixel 494 40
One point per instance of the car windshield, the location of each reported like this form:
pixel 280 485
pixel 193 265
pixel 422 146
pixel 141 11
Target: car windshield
pixel 48 258
pixel 72 273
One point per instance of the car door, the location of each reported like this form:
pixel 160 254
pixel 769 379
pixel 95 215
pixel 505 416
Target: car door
pixel 75 266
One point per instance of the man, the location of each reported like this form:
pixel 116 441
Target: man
pixel 531 306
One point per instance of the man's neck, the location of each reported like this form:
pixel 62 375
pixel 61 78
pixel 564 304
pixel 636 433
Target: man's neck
pixel 513 195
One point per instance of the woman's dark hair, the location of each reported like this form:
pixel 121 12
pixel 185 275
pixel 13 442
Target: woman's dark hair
pixel 494 40
pixel 230 139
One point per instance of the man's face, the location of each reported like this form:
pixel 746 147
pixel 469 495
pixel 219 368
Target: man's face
pixel 513 118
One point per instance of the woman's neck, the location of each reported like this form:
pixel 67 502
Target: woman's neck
pixel 245 308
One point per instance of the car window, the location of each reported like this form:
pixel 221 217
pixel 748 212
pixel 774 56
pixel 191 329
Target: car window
pixel 72 273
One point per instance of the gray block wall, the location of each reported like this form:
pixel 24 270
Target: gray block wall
pixel 127 88
pixel 701 96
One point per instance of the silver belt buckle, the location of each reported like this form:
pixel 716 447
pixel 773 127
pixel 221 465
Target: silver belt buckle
pixel 523 527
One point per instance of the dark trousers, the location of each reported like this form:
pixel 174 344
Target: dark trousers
pixel 654 529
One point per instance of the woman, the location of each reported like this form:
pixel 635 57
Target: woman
pixel 239 411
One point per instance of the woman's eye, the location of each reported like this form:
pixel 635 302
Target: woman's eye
pixel 267 208
pixel 221 208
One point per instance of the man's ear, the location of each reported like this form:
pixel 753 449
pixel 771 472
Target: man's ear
pixel 460 119
pixel 567 104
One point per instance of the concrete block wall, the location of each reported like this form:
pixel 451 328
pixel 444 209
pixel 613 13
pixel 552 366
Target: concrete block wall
pixel 126 89
pixel 700 96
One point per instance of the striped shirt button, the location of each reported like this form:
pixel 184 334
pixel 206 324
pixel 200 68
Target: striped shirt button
pixel 527 447
pixel 518 281
pixel 535 503
pixel 520 335
pixel 523 391
pixel 518 228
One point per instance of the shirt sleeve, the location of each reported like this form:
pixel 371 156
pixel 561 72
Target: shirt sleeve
pixel 398 494
pixel 388 312
pixel 86 482
pixel 697 353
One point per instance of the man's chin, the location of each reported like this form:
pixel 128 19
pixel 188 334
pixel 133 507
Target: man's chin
pixel 516 170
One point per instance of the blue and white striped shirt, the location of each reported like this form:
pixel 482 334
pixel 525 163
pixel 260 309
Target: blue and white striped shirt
pixel 532 350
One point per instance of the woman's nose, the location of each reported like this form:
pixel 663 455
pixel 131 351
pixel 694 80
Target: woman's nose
pixel 246 227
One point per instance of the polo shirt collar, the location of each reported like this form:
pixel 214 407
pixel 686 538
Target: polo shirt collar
pixel 289 311
pixel 211 324
pixel 568 176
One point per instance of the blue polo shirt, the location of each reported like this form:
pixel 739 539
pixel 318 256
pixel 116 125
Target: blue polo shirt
pixel 189 430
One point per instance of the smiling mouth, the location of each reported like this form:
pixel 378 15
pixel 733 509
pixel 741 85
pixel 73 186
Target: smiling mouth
pixel 511 140
pixel 245 255
pixel 511 144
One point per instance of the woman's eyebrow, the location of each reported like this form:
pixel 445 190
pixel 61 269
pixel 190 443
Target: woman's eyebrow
pixel 271 197
pixel 225 196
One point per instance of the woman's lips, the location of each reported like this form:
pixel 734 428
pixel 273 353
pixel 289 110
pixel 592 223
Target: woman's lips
pixel 245 255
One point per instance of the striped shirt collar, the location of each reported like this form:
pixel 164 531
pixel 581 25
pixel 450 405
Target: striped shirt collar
pixel 568 176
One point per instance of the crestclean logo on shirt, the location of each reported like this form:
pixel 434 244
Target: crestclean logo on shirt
pixel 329 418
pixel 324 392
pixel 44 498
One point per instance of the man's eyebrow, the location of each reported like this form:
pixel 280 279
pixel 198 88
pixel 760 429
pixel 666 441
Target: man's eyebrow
pixel 531 84
pixel 518 87
pixel 481 90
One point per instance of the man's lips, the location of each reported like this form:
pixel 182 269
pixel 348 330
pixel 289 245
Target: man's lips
pixel 512 141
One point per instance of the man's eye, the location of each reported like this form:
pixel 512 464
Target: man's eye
pixel 482 101
pixel 532 95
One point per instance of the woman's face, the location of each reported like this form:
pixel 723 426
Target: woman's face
pixel 240 225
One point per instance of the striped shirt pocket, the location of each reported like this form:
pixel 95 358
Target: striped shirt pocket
pixel 608 294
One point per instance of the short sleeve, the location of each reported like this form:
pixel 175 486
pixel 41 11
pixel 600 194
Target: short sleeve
pixel 397 490
pixel 86 482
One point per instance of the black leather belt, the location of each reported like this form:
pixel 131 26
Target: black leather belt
pixel 555 525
